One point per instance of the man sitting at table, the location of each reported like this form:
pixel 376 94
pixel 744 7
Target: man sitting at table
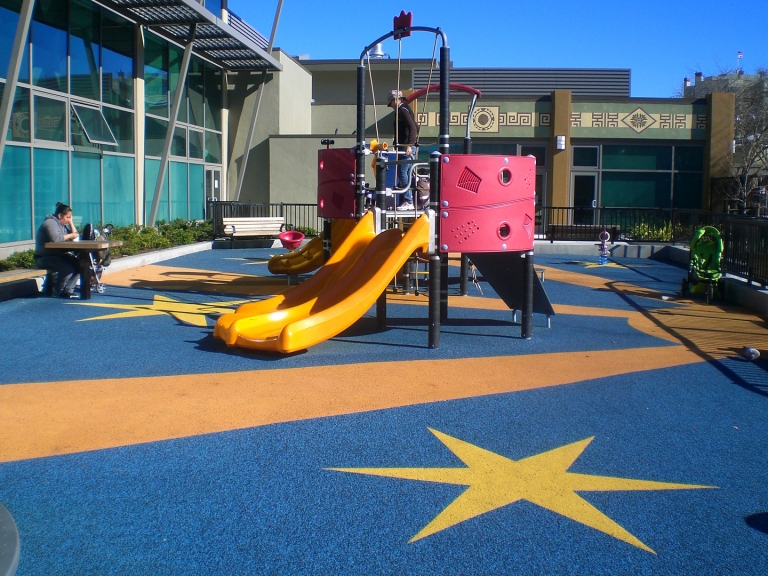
pixel 58 227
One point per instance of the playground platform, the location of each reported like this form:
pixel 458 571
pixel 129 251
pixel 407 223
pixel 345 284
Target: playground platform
pixel 631 437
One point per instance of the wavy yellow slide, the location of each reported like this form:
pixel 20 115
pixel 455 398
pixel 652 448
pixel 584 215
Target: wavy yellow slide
pixel 349 289
pixel 310 256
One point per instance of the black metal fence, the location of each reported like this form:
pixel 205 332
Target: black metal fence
pixel 303 216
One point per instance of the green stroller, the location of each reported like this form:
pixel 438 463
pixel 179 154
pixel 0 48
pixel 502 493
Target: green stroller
pixel 704 272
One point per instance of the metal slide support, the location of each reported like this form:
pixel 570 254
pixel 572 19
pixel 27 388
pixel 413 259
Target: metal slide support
pixel 14 65
pixel 326 240
pixel 381 189
pixel 172 125
pixel 434 259
pixel 255 116
pixel 526 322
pixel 443 146
pixel 464 281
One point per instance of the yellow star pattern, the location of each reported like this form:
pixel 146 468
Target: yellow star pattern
pixel 187 312
pixel 543 479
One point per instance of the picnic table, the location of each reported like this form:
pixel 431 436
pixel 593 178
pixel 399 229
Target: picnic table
pixel 83 248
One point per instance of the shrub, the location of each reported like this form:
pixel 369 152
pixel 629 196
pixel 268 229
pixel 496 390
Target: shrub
pixel 24 259
pixel 307 231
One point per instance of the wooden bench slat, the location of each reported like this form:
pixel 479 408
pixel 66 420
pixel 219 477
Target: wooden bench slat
pixel 20 274
pixel 254 226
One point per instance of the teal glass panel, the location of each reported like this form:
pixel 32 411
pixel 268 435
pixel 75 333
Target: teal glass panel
pixel 50 119
pixel 18 126
pixel 195 92
pixel 119 197
pixel 637 157
pixel 196 146
pixel 9 18
pixel 151 170
pixel 174 64
pixel 84 53
pixel 688 189
pixel 213 148
pixel 16 197
pixel 212 98
pixel 179 142
pixel 49 45
pixel 636 190
pixel 179 197
pixel 585 156
pixel 196 192
pixel 116 60
pixel 689 158
pixel 86 187
pixel 154 136
pixel 51 182
pixel 156 76
pixel 78 137
pixel 121 123
pixel 538 152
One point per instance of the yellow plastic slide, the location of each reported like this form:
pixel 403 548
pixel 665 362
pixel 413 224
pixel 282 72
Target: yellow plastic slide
pixel 348 291
pixel 310 256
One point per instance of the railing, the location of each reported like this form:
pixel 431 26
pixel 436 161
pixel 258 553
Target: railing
pixel 746 249
pixel 296 215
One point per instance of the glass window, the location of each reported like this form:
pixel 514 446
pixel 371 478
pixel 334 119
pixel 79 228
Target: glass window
pixel 214 6
pixel 175 58
pixel 121 123
pixel 86 193
pixel 687 193
pixel 636 189
pixel 212 98
pixel 49 45
pixel 538 152
pixel 9 18
pixel 118 190
pixel 196 146
pixel 179 143
pixel 585 156
pixel 637 157
pixel 151 170
pixel 689 158
pixel 116 60
pixel 154 136
pixel 51 181
pixel 50 119
pixel 156 76
pixel 195 92
pixel 501 148
pixel 78 138
pixel 196 192
pixel 18 127
pixel 179 204
pixel 94 124
pixel 15 201
pixel 213 148
pixel 84 61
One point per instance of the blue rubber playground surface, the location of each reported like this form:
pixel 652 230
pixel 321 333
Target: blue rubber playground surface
pixel 630 437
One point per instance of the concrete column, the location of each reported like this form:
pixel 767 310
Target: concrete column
pixel 559 171
pixel 717 148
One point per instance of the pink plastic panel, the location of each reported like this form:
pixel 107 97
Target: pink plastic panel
pixel 486 203
pixel 336 183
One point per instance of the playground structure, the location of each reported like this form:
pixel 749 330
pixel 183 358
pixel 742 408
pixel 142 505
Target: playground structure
pixel 479 205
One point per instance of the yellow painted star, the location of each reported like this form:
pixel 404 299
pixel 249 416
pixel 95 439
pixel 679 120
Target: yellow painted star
pixel 494 481
pixel 187 312
pixel 251 261
pixel 596 265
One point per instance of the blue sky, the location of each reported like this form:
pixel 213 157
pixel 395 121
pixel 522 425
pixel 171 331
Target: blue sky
pixel 660 41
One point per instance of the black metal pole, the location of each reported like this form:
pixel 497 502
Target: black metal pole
pixel 526 324
pixel 360 166
pixel 444 148
pixel 326 239
pixel 434 259
pixel 381 190
pixel 463 281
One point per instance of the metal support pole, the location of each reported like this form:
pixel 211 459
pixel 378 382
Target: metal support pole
pixel 434 260
pixel 172 125
pixel 381 190
pixel 360 178
pixel 326 239
pixel 464 282
pixel 445 99
pixel 14 65
pixel 526 322
pixel 255 116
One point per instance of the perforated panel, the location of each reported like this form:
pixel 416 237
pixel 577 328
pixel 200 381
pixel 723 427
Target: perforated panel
pixel 486 203
pixel 336 183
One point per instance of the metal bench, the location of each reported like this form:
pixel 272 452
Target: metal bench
pixel 252 227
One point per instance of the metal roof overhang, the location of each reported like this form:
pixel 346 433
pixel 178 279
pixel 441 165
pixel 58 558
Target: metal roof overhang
pixel 214 40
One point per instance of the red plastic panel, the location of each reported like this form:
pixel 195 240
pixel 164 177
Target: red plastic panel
pixel 336 182
pixel 487 203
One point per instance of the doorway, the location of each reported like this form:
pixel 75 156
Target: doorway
pixel 584 190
